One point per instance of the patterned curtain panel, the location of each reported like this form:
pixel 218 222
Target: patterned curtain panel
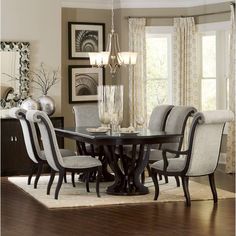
pixel 186 83
pixel 230 158
pixel 137 73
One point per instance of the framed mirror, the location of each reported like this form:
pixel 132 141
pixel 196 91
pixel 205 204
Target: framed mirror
pixel 15 68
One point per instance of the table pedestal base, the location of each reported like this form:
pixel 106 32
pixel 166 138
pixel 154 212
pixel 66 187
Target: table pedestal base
pixel 128 172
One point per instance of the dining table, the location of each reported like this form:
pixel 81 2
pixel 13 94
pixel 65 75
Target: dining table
pixel 126 153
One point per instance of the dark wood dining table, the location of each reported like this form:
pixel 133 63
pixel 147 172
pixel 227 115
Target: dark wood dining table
pixel 127 169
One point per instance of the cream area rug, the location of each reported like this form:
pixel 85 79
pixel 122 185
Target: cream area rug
pixel 78 197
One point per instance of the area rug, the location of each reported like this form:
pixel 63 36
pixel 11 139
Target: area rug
pixel 78 197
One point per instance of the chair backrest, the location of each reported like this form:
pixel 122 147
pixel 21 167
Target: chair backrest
pixel 86 114
pixel 158 117
pixel 205 141
pixel 50 145
pixel 176 123
pixel 29 134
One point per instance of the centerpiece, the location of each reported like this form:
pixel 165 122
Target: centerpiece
pixel 44 80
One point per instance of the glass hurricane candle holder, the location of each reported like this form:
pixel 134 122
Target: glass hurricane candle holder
pixel 110 105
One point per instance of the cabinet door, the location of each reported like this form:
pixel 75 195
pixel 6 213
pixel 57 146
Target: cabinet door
pixel 14 157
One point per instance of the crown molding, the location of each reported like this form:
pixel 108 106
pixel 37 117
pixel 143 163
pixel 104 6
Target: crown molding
pixel 106 4
pixel 90 4
pixel 167 3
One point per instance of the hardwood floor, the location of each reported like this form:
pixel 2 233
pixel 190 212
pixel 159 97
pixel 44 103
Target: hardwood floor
pixel 22 215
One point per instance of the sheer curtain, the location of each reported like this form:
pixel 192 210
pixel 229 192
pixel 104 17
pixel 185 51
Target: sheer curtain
pixel 137 73
pixel 230 158
pixel 186 83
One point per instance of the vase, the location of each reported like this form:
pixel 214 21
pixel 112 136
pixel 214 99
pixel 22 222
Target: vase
pixel 30 104
pixel 110 105
pixel 47 104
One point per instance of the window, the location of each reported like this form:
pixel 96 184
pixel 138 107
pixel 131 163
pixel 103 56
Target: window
pixel 214 56
pixel 158 62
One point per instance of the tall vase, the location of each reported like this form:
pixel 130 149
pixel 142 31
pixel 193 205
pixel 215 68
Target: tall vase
pixel 110 105
pixel 47 104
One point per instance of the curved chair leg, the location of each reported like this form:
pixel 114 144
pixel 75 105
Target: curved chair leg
pixel 73 179
pixel 160 177
pixel 99 173
pixel 65 179
pixel 166 179
pixel 149 170
pixel 87 182
pixel 155 181
pixel 50 182
pixel 40 168
pixel 186 190
pixel 213 187
pixel 143 177
pixel 59 183
pixel 34 167
pixel 177 181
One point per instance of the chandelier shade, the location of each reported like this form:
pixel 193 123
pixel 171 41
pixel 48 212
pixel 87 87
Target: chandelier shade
pixel 112 57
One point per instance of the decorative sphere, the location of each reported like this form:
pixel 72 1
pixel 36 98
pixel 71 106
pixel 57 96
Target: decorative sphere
pixel 30 104
pixel 47 104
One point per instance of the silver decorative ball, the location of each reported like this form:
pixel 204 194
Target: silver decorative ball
pixel 30 104
pixel 47 104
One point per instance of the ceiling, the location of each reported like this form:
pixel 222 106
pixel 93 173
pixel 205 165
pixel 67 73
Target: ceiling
pixel 106 4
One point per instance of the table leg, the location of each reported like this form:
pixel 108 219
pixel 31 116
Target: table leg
pixel 141 164
pixel 113 163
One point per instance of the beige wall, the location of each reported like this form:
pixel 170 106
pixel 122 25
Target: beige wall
pixel 37 22
pixel 77 15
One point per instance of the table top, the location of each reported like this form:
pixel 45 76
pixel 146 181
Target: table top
pixel 146 135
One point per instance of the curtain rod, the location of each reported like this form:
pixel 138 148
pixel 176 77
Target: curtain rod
pixel 166 17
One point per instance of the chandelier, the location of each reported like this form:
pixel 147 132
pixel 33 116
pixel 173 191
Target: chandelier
pixel 112 57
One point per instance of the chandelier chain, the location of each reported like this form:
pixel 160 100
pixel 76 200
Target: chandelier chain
pixel 112 18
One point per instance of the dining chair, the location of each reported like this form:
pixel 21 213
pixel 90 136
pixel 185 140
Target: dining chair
pixel 202 155
pixel 87 115
pixel 175 123
pixel 74 164
pixel 32 145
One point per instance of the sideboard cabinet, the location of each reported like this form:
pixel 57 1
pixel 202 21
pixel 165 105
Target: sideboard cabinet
pixel 14 157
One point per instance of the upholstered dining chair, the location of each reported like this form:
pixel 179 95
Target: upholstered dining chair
pixel 175 123
pixel 32 145
pixel 202 155
pixel 156 122
pixel 86 115
pixel 73 164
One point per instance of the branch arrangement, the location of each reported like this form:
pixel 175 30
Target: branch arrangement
pixel 44 79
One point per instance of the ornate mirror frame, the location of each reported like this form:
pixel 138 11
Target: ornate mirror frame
pixel 23 49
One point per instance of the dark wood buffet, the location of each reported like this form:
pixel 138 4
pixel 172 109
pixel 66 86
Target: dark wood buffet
pixel 14 157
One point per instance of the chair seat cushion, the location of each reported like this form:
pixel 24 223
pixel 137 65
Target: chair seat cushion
pixel 64 153
pixel 175 164
pixel 81 162
pixel 156 155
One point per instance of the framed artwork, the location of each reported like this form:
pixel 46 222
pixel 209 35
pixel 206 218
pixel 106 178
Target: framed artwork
pixel 84 38
pixel 83 82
